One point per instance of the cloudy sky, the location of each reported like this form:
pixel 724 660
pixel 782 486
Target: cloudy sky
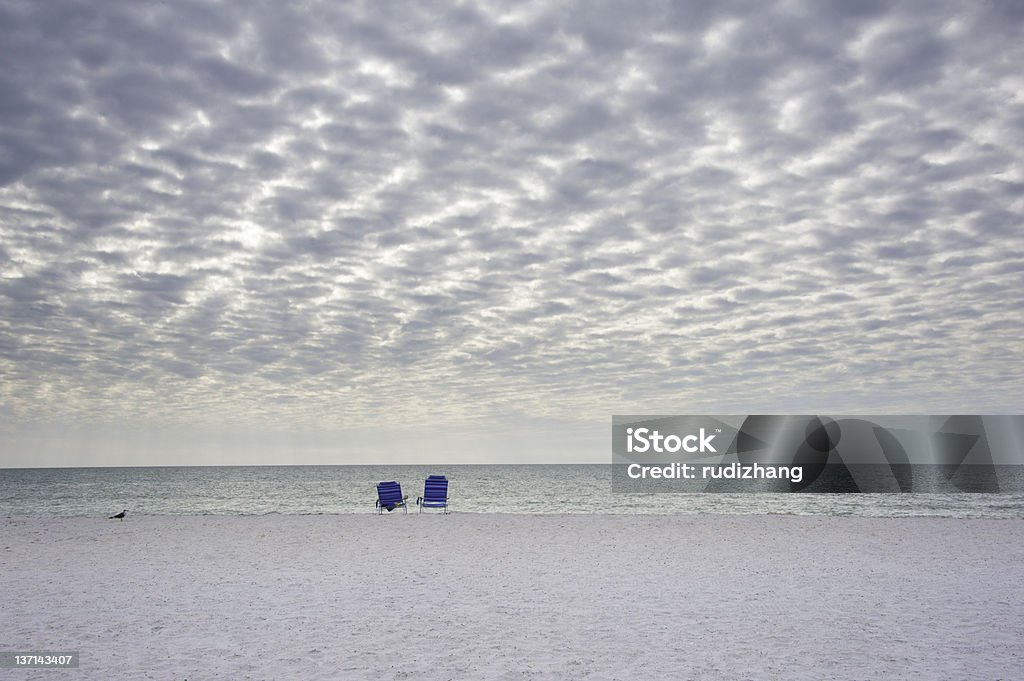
pixel 240 232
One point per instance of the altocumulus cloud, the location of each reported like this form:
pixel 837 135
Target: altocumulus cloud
pixel 343 215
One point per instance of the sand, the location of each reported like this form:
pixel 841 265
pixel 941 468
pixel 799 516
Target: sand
pixel 477 596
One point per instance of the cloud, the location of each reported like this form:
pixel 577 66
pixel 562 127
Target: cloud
pixel 346 215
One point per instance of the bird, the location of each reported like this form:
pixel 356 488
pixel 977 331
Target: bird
pixel 119 516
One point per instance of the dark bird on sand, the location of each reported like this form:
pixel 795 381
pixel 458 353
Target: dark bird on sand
pixel 119 516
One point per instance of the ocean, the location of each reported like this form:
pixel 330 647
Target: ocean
pixel 520 489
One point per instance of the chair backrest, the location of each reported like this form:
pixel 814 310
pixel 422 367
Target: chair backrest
pixel 435 488
pixel 389 492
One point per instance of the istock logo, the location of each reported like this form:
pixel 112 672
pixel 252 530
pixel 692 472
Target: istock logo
pixel 643 439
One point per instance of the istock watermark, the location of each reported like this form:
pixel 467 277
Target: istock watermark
pixel 813 453
pixel 641 440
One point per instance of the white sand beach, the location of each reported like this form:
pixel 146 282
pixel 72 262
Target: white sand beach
pixel 477 596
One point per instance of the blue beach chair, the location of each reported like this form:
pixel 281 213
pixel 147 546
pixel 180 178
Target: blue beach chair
pixel 389 497
pixel 435 493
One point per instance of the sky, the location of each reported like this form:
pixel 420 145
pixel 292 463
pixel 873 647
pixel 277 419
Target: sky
pixel 382 232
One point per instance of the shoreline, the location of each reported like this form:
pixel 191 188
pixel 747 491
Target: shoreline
pixel 136 516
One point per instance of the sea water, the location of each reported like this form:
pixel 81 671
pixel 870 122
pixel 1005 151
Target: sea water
pixel 248 490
